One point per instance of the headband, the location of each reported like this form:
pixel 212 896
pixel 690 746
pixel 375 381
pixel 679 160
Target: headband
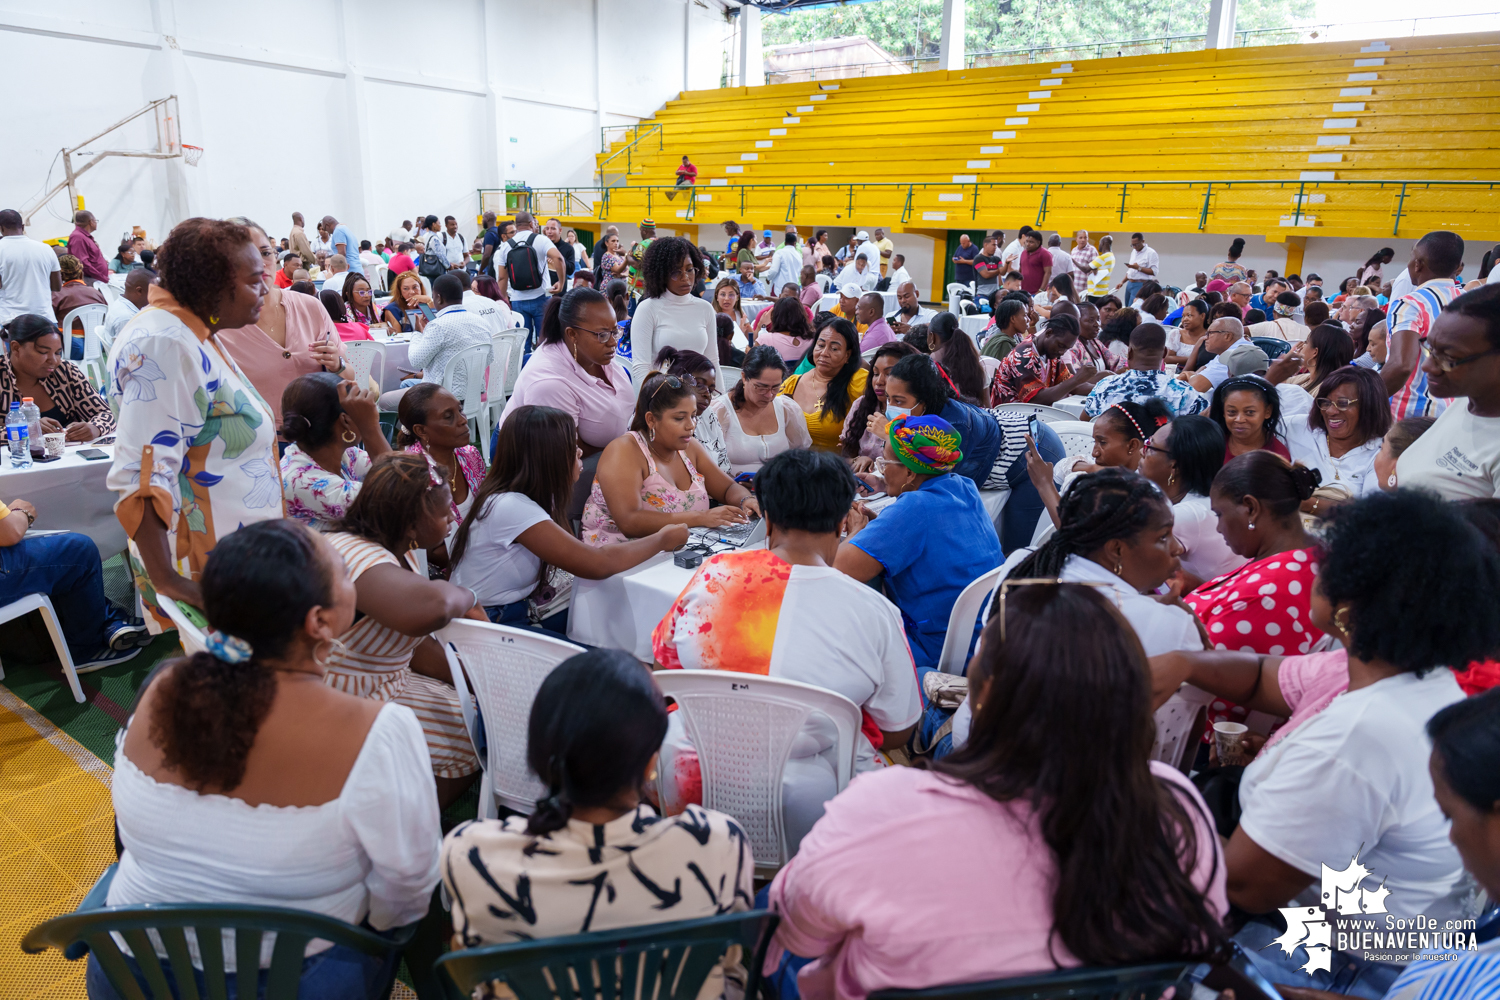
pixel 1144 436
pixel 928 446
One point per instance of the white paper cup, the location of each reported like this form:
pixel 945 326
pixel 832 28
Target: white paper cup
pixel 55 443
pixel 1229 739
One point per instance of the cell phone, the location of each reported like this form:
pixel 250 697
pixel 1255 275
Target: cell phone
pixel 427 311
pixel 92 454
pixel 1034 426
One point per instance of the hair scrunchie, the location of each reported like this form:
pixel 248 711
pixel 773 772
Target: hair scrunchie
pixel 228 648
pixel 928 446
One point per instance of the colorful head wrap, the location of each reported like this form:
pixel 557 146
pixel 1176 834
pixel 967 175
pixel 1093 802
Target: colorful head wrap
pixel 928 446
pixel 1283 311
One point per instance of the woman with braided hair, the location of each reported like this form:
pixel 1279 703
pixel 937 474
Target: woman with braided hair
pixel 595 728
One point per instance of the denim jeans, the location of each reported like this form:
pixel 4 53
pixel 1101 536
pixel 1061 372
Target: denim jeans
pixel 1025 507
pixel 66 568
pixel 339 973
pixel 1131 289
pixel 533 310
pixel 517 615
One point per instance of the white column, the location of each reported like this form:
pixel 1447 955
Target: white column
pixel 357 210
pixel 752 61
pixel 951 50
pixel 496 149
pixel 185 189
pixel 1221 14
pixel 599 122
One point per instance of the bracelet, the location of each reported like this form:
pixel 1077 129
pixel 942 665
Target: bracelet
pixel 30 518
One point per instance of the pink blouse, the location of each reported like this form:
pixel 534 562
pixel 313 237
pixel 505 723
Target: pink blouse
pixel 271 367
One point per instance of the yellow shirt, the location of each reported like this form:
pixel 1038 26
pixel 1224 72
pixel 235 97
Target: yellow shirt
pixel 826 429
pixel 4 511
pixel 886 247
pixel 839 312
pixel 1098 284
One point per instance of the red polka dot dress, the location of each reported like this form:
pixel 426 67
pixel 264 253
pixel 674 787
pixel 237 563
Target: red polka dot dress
pixel 1262 607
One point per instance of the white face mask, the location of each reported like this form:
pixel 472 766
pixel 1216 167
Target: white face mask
pixel 892 411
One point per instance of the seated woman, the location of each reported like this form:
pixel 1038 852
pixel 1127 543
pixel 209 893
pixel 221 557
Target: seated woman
pixel 1120 435
pixel 786 611
pixel 954 351
pixel 709 431
pixel 787 329
pixel 242 779
pixel 729 355
pixel 912 542
pixel 1036 818
pixel 593 735
pixel 387 655
pixel 402 313
pixel 758 422
pixel 1402 435
pixel 1343 433
pixel 1183 340
pixel 326 419
pixel 861 443
pixel 1035 373
pixel 333 304
pixel 433 424
pixel 1182 458
pixel 727 303
pixel 826 392
pixel 359 303
pixel 1010 325
pixel 1328 348
pixel 650 477
pixel 517 529
pixel 1248 409
pixel 1349 772
pixel 32 364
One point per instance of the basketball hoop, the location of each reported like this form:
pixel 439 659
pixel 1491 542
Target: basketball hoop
pixel 192 154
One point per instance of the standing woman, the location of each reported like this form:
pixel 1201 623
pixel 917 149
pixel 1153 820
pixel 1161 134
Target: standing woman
pixel 612 262
pixel 669 314
pixel 862 443
pixel 1182 458
pixel 1343 434
pixel 758 422
pixel 826 393
pixel 815 249
pixel 1247 409
pixel 1373 272
pixel 294 335
pixel 195 452
pixel 954 351
pixel 327 419
pixel 1231 270
pixel 658 474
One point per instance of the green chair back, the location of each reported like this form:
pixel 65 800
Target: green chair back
pixel 660 961
pixel 1133 982
pixel 87 929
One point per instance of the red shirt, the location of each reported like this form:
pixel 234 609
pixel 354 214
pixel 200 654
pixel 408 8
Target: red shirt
pixel 687 172
pixel 399 264
pixel 282 281
pixel 1033 265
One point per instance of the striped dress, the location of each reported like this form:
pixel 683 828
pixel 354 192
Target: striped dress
pixel 375 662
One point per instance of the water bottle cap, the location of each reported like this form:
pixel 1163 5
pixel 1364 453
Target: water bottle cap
pixel 26 399
pixel 15 404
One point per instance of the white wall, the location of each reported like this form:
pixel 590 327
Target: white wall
pixel 368 110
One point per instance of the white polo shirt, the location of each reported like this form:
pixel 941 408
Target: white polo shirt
pixel 26 269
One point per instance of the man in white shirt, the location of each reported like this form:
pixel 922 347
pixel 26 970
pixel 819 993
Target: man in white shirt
pixel 453 244
pixel 857 272
pixel 1062 261
pixel 1223 333
pixel 338 272
pixel 1459 455
pixel 369 258
pixel 137 286
pixel 531 303
pixel 402 233
pixel 911 312
pixel 452 330
pixel 1142 267
pixel 1010 257
pixel 786 265
pixel 29 271
pixel 899 275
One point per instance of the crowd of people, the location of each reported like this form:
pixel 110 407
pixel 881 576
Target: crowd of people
pixel 1295 518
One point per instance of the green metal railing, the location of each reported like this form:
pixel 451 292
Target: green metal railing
pixel 638 133
pixel 599 200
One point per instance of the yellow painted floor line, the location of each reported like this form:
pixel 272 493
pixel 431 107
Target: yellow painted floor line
pixel 56 839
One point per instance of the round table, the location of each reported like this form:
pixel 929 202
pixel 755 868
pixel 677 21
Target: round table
pixel 69 495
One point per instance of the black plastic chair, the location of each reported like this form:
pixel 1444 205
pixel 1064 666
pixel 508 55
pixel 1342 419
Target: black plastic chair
pixel 1273 347
pixel 89 929
pixel 660 961
pixel 1134 982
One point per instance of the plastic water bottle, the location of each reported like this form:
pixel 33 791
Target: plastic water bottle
pixel 33 417
pixel 18 438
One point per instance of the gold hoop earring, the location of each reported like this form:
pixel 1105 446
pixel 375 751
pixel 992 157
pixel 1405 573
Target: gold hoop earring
pixel 574 348
pixel 213 321
pixel 1341 619
pixel 349 437
pixel 1118 567
pixel 333 644
pixel 1171 478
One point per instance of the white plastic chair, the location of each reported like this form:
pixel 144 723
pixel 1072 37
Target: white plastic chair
pixel 191 636
pixel 366 361
pixel 729 377
pixel 426 284
pixel 515 339
pixel 743 727
pixel 1046 414
pixel 954 287
pixel 472 361
pixel 966 611
pixel 90 316
pixel 991 365
pixel 95 351
pixel 494 385
pixel 1077 436
pixel 43 603
pixel 507 666
pixel 1179 726
pixel 383 273
pixel 110 290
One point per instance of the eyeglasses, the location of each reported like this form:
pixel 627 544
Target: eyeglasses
pixel 881 464
pixel 1446 364
pixel 605 336
pixel 1007 585
pixel 676 382
pixel 1336 404
pixel 1151 449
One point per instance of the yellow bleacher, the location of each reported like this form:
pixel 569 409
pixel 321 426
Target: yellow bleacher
pixel 1304 131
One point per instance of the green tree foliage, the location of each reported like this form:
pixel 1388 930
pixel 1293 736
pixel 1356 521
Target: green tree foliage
pixel 914 27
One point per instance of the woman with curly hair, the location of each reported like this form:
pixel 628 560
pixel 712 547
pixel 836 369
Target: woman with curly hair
pixel 195 455
pixel 669 314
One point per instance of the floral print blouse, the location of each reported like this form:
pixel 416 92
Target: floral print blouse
pixel 316 496
pixel 195 440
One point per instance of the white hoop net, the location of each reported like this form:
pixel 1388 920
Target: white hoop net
pixel 192 154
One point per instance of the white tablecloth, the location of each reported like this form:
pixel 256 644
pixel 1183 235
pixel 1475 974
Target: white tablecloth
pixel 974 325
pixel 620 612
pixel 395 352
pixel 69 495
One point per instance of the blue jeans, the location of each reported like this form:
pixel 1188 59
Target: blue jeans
pixel 66 568
pixel 340 973
pixel 1025 507
pixel 517 615
pixel 1131 288
pixel 533 310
